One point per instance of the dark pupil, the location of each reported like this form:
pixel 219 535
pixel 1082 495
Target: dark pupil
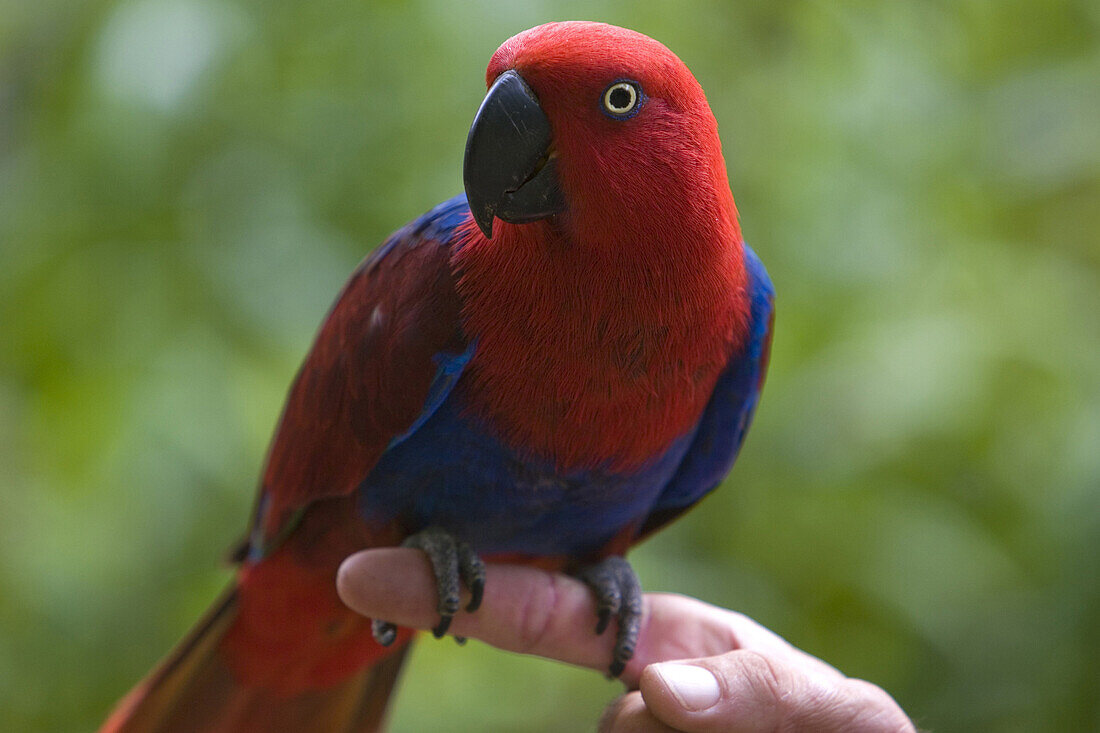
pixel 620 98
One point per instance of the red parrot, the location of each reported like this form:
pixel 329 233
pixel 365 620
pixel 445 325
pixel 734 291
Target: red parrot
pixel 546 369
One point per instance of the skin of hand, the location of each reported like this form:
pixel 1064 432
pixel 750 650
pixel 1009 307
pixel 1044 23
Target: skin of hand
pixel 697 667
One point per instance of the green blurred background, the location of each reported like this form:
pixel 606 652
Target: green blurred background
pixel 184 185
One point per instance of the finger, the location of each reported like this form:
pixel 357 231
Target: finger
pixel 749 635
pixel 679 627
pixel 524 610
pixel 628 714
pixel 749 691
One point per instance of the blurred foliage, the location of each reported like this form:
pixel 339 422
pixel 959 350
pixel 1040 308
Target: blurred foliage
pixel 184 184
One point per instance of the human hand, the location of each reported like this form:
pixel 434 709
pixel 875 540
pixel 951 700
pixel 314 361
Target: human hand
pixel 697 667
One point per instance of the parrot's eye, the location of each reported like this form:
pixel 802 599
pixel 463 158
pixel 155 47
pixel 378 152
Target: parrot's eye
pixel 622 99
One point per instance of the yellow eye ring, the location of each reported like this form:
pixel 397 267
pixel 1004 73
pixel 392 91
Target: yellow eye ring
pixel 621 99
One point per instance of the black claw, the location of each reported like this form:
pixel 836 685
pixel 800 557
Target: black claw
pixel 617 668
pixel 477 592
pixel 442 626
pixel 460 640
pixel 383 631
pixel 472 570
pixel 604 620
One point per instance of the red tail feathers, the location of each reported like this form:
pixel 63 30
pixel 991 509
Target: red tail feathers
pixel 278 653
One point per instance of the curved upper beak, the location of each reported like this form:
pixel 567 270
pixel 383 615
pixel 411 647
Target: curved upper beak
pixel 510 170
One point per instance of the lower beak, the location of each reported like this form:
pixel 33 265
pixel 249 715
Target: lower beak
pixel 510 171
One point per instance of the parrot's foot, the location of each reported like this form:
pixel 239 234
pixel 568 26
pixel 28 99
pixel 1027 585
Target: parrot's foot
pixel 453 563
pixel 619 595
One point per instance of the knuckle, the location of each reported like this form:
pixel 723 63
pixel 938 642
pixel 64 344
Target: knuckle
pixel 628 714
pixel 538 614
pixel 852 706
pixel 612 713
pixel 766 679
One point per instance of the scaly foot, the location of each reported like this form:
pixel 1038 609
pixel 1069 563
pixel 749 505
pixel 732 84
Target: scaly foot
pixel 453 563
pixel 618 595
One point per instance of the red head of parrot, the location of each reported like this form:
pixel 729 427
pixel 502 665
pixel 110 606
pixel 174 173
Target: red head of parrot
pixel 608 233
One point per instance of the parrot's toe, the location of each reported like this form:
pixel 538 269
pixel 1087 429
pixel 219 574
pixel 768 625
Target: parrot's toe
pixel 472 571
pixel 454 563
pixel 383 631
pixel 618 595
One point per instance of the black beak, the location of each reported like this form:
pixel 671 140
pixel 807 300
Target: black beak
pixel 510 172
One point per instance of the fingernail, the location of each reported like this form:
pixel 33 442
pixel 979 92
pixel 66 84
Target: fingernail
pixel 695 687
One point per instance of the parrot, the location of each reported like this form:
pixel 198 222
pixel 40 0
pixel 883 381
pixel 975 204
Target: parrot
pixel 545 369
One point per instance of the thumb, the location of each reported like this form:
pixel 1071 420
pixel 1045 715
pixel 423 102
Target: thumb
pixel 748 691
